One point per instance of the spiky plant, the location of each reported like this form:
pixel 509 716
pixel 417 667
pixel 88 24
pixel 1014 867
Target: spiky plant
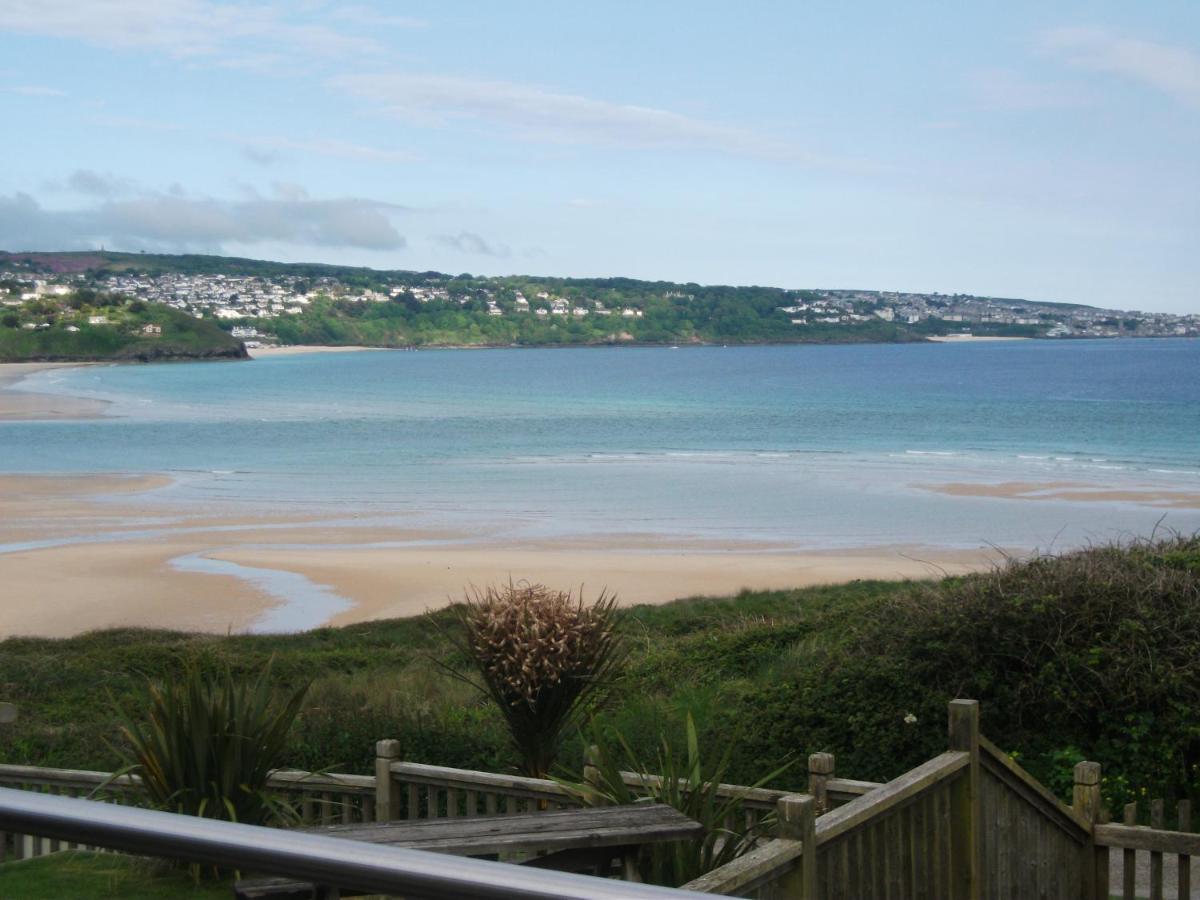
pixel 687 784
pixel 543 656
pixel 207 744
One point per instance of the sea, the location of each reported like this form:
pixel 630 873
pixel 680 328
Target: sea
pixel 811 447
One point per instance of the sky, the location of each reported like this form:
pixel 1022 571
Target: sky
pixel 1048 151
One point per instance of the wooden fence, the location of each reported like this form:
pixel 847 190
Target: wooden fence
pixel 969 823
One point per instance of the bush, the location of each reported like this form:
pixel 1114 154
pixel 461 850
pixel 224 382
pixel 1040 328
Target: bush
pixel 208 744
pixel 1094 654
pixel 685 784
pixel 542 656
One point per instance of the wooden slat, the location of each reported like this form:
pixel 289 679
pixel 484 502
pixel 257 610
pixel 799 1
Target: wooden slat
pixel 999 763
pixel 1156 857
pixel 761 865
pixel 1184 811
pixel 900 790
pixel 551 830
pixel 1141 838
pixel 1129 858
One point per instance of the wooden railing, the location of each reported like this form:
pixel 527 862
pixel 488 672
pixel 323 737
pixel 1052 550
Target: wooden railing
pixel 318 798
pixel 1170 853
pixel 969 823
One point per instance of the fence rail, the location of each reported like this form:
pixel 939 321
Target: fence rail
pixel 325 861
pixel 970 823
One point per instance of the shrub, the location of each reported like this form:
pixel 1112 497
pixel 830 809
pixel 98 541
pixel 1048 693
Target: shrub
pixel 543 657
pixel 1095 653
pixel 687 785
pixel 208 744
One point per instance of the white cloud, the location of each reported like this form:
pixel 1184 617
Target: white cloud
pixel 266 149
pixel 33 90
pixel 1173 70
pixel 1009 90
pixel 537 113
pixel 240 33
pixel 175 220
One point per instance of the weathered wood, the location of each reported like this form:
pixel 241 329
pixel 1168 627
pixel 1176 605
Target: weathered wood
pixel 964 737
pixel 528 832
pixel 1184 815
pixel 1129 857
pixel 762 865
pixel 900 790
pixel 387 794
pixel 441 777
pixel 820 770
pixel 797 815
pixel 1137 837
pixel 1156 857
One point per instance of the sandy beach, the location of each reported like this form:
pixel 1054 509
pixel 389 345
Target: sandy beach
pixel 27 405
pixel 297 349
pixel 83 553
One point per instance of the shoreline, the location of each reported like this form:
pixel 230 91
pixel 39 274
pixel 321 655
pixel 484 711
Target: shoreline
pixel 82 546
pixel 18 405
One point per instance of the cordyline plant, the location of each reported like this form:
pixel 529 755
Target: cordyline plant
pixel 207 745
pixel 687 784
pixel 543 656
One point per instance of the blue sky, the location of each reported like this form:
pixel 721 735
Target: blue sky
pixel 1046 151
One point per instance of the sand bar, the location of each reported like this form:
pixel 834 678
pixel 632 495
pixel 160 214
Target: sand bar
pixel 97 564
pixel 298 349
pixel 21 405
pixel 1072 491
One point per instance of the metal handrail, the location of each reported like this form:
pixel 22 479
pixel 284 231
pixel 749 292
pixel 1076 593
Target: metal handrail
pixel 324 860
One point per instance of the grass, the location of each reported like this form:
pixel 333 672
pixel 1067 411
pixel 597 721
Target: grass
pixel 80 874
pixel 1093 655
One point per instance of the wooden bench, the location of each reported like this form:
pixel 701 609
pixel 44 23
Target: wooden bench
pixel 571 840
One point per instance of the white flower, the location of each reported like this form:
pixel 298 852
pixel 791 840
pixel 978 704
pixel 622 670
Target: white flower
pixel 910 719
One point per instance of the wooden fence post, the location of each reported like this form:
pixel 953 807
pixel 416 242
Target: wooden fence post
pixel 591 775
pixel 967 813
pixel 1086 801
pixel 797 814
pixel 820 770
pixel 387 797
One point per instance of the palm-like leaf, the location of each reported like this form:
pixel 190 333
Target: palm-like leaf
pixel 208 744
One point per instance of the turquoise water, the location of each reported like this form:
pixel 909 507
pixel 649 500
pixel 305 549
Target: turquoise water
pixel 815 446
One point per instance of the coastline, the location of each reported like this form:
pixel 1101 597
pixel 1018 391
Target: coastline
pixel 21 405
pixel 82 546
pixel 301 349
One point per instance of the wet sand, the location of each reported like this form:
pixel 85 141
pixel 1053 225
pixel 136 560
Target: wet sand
pixel 109 544
pixel 1072 491
pixel 26 405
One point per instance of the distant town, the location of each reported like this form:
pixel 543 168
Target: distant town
pixel 340 305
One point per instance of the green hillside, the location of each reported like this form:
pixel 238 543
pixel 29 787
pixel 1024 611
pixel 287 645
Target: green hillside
pixel 87 325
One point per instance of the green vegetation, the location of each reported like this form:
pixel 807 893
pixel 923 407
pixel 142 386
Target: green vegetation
pixel 88 325
pixel 1091 655
pixel 706 315
pixel 79 874
pixel 206 744
pixel 688 785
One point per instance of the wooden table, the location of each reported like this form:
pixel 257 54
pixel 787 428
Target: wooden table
pixel 571 840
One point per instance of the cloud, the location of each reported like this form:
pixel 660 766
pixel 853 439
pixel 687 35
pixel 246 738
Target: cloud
pixel 1172 70
pixel 238 33
pixel 469 242
pixel 174 220
pixel 33 90
pixel 85 181
pixel 539 114
pixel 1009 90
pixel 269 149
